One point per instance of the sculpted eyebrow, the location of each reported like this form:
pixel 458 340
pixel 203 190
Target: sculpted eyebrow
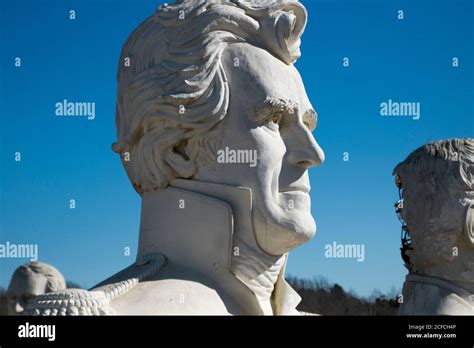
pixel 273 105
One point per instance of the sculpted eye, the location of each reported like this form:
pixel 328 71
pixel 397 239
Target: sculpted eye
pixel 273 121
pixel 276 118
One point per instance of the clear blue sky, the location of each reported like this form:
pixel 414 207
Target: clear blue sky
pixel 64 158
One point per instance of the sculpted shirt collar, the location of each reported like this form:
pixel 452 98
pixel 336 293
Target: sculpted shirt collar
pixel 230 251
pixel 463 294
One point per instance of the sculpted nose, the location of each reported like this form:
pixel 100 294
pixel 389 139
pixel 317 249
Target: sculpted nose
pixel 304 150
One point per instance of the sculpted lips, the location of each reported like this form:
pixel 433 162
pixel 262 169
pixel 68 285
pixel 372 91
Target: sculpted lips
pixel 299 188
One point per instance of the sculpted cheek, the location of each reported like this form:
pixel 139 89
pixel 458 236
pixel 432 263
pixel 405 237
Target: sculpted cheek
pixel 271 147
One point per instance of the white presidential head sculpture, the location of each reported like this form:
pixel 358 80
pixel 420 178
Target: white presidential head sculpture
pixel 205 77
pixel 214 131
pixel 437 181
pixel 29 281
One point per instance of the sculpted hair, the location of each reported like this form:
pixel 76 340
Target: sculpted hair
pixel 174 93
pixel 454 156
pixel 55 280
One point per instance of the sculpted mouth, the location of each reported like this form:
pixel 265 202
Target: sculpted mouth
pixel 303 189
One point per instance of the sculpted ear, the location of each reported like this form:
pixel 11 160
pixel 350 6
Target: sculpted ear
pixel 177 158
pixel 468 226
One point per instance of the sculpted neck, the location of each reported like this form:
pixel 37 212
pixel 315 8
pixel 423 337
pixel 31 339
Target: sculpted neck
pixel 456 270
pixel 428 295
pixel 257 270
pixel 208 228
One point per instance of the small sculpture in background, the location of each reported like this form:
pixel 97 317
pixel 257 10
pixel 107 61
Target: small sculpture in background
pixel 29 281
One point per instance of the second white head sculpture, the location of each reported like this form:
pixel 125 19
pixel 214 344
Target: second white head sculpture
pixel 437 207
pixel 214 131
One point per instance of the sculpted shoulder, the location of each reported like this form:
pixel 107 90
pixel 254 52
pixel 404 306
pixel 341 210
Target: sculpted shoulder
pixel 169 290
pixel 151 288
pixel 169 297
